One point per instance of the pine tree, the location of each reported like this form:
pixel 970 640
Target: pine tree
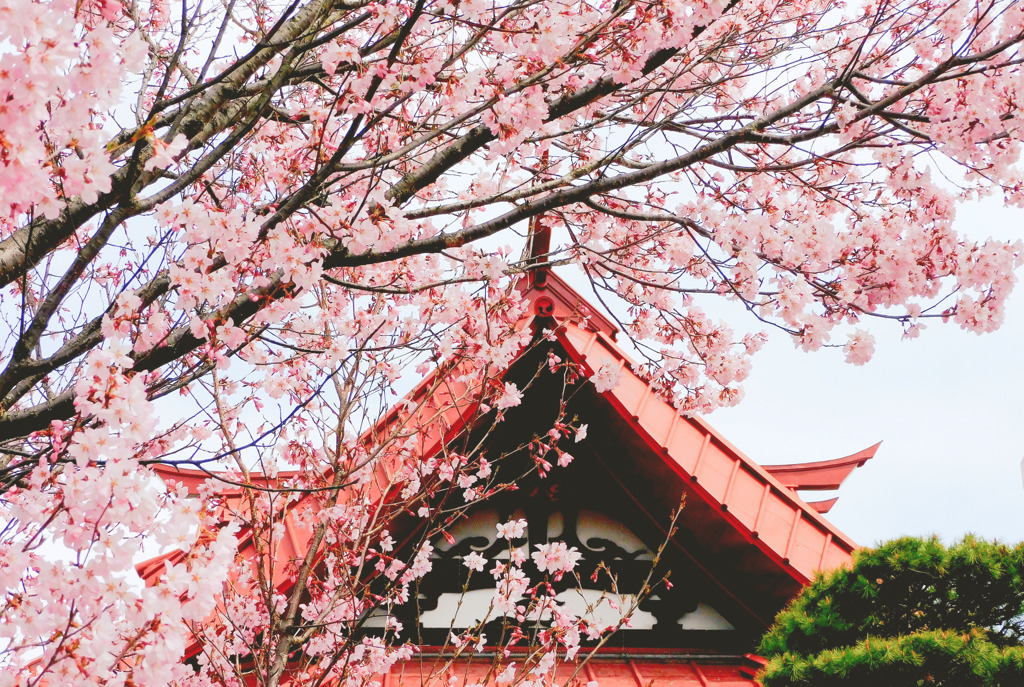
pixel 911 612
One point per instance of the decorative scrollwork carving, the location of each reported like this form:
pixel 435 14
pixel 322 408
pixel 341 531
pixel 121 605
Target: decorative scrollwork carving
pixel 614 561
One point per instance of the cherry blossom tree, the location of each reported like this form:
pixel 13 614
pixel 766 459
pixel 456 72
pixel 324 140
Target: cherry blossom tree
pixel 230 232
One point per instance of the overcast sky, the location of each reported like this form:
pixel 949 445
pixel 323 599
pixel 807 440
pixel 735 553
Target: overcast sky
pixel 948 407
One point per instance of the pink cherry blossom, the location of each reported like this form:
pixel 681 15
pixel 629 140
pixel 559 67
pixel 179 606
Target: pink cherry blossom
pixel 474 561
pixel 607 377
pixel 164 154
pixel 513 529
pixel 860 347
pixel 581 433
pixel 556 557
pixel 510 397
pixel 228 252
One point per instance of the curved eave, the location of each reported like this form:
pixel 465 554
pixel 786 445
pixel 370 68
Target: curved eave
pixel 193 479
pixel 824 474
pixel 823 506
pixel 150 570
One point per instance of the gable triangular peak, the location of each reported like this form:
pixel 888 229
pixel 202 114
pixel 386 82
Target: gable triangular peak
pixel 745 544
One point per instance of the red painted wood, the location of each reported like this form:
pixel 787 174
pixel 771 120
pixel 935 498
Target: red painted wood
pixel 678 671
pixel 825 474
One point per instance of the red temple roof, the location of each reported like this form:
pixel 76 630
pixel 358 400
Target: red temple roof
pixel 747 528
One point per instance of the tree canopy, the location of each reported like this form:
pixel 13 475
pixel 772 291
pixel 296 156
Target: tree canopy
pixel 911 612
pixel 232 233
